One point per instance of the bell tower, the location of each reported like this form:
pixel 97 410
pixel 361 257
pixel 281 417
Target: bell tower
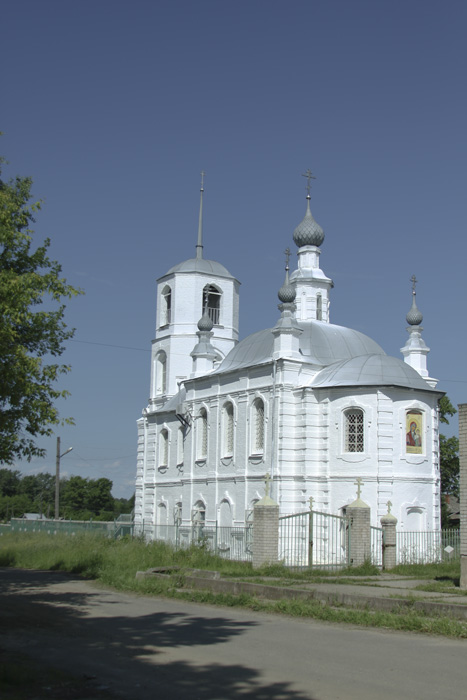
pixel 188 291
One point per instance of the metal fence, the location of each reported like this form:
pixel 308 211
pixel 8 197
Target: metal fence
pixel 63 527
pixel 427 547
pixel 376 545
pixel 314 539
pixel 234 542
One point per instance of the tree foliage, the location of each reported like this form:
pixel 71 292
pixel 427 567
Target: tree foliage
pixel 31 337
pixel 449 451
pixel 80 499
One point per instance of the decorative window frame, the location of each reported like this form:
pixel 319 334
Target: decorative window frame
pixel 160 370
pixel 180 446
pixel 163 448
pixel 165 306
pixel 416 436
pixel 227 430
pixel 202 434
pixel 257 451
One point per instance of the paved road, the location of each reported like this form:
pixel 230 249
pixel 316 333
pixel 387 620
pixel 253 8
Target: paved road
pixel 143 647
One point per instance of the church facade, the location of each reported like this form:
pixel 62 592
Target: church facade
pixel 314 405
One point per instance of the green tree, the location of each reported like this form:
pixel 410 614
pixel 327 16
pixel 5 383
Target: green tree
pixel 449 451
pixel 99 496
pixel 9 482
pixel 30 337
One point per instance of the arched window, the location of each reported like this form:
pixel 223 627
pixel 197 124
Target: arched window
pixel 354 430
pixel 166 306
pixel 178 513
pixel 161 373
pixel 198 518
pixel 202 429
pixel 163 448
pixel 212 303
pixel 225 514
pixel 257 436
pixel 319 307
pixel 180 439
pixel 228 430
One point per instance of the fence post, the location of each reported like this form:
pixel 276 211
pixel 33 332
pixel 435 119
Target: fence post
pixel 360 534
pixel 265 532
pixel 463 490
pixel 310 534
pixel 388 523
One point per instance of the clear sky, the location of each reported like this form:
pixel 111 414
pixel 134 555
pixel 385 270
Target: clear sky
pixel 114 107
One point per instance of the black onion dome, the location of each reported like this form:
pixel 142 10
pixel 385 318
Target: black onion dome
pixel 205 323
pixel 308 232
pixel 414 317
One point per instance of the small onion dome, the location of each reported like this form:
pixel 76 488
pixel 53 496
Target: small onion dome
pixel 287 293
pixel 308 232
pixel 414 317
pixel 205 323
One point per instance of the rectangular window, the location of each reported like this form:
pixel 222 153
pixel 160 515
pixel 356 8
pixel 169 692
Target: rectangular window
pixel 354 434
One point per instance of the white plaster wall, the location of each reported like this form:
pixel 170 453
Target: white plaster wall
pixel 304 450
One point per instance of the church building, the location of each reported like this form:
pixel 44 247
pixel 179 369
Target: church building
pixel 310 403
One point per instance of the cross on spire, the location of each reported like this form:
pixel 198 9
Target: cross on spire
pixel 287 256
pixel 358 483
pixel 414 281
pixel 202 180
pixel 309 176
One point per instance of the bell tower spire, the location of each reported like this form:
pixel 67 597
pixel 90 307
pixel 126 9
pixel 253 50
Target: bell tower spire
pixel 199 245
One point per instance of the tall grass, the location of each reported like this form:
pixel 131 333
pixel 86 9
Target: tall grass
pixel 115 563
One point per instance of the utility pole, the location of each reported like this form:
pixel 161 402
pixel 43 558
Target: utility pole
pixel 57 477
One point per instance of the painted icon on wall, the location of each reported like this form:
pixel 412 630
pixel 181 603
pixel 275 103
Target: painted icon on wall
pixel 413 432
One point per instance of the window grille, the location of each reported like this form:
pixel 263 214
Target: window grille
pixel 258 427
pixel 202 434
pixel 354 433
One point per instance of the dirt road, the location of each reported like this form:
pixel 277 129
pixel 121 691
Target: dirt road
pixel 142 648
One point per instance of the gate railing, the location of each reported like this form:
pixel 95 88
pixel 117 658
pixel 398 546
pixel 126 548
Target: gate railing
pixel 314 539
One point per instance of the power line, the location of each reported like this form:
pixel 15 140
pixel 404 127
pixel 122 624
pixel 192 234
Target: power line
pixel 108 345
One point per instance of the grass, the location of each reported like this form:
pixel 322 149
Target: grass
pixel 115 563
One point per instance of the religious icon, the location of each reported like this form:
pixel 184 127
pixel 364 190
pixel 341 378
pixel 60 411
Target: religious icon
pixel 413 437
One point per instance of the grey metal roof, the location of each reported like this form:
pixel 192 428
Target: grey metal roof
pixel 370 370
pixel 209 267
pixel 320 343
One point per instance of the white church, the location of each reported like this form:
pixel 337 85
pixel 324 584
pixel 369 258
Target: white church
pixel 310 403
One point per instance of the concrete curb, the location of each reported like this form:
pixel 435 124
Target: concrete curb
pixel 211 581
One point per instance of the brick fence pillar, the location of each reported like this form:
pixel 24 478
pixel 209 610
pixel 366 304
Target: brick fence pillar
pixel 388 523
pixel 360 534
pixel 463 490
pixel 265 532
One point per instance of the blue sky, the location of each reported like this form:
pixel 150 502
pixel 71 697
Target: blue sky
pixel 114 107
